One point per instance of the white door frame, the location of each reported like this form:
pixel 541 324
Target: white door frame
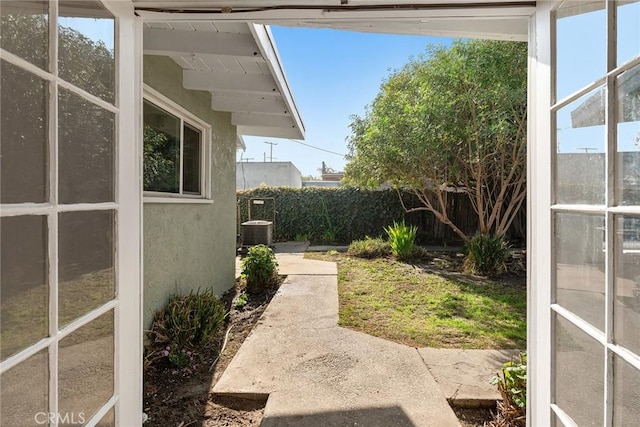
pixel 127 302
pixel 129 328
pixel 539 242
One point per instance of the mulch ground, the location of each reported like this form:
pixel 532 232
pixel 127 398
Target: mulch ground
pixel 182 397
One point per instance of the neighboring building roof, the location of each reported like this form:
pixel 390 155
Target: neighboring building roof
pixel 238 64
pixel 490 19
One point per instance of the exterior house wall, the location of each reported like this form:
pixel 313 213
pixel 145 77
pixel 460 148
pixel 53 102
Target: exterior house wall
pixel 272 174
pixel 190 245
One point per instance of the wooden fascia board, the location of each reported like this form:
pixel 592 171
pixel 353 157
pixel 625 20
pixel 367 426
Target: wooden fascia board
pixel 261 120
pixel 265 41
pixel 249 104
pixel 179 42
pixel 235 82
pixel 270 132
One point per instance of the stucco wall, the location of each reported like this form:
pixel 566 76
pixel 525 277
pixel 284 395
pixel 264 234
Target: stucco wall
pixel 272 174
pixel 191 246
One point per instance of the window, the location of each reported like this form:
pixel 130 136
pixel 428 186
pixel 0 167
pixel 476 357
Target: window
pixel 174 150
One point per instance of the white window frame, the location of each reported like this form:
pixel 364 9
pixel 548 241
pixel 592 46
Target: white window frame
pixel 161 101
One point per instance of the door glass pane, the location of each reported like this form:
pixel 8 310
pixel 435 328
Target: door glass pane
pixel 580 144
pixel 86 52
pixel 628 117
pixel 581 45
pixel 86 151
pixel 627 283
pixel 579 266
pixel 86 254
pixel 25 390
pixel 24 134
pixel 161 150
pixel 24 312
pixel 24 26
pixel 628 16
pixel 626 395
pixel 85 368
pixel 191 159
pixel 579 374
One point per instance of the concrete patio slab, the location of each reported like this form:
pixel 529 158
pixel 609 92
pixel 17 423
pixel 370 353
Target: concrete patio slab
pixel 317 373
pixel 290 264
pixel 465 375
pixel 291 247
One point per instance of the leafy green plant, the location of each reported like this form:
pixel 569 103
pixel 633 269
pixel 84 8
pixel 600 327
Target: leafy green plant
pixel 402 239
pixel 512 385
pixel 486 254
pixel 187 323
pixel 329 233
pixel 301 237
pixel 369 247
pixel 260 269
pixel 179 359
pixel 328 236
pixel 242 300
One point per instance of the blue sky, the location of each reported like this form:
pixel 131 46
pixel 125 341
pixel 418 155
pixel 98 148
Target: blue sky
pixel 332 74
pixel 581 60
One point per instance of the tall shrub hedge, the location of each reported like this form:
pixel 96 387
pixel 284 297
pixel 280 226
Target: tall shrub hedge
pixel 353 213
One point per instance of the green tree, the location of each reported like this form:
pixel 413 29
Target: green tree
pixel 453 120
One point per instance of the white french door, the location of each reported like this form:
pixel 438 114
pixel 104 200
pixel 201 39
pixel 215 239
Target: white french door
pixel 69 214
pixel 585 207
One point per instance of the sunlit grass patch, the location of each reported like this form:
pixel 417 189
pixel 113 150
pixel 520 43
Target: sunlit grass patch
pixel 406 304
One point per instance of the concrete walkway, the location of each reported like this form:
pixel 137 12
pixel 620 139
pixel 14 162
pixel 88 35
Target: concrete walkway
pixel 316 373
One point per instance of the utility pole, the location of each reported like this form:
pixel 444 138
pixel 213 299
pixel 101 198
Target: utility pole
pixel 271 153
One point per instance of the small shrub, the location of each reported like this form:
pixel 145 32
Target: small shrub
pixel 301 237
pixel 512 385
pixel 260 269
pixel 187 323
pixel 418 253
pixel 179 358
pixel 486 254
pixel 328 236
pixel 369 247
pixel 402 239
pixel 242 300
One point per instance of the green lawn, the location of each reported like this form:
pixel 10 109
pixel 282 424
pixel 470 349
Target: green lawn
pixel 403 303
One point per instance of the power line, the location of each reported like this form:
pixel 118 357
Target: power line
pixel 317 148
